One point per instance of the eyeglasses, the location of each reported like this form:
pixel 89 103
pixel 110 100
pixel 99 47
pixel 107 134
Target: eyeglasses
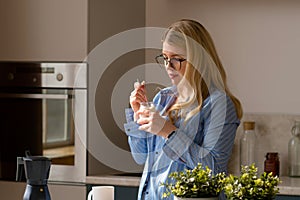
pixel 175 63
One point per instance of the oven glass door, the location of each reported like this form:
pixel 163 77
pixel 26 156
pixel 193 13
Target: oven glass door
pixel 39 120
pixel 58 126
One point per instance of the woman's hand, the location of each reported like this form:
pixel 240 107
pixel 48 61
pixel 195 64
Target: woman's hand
pixel 137 96
pixel 154 123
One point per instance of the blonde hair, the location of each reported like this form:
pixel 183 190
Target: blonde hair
pixel 203 68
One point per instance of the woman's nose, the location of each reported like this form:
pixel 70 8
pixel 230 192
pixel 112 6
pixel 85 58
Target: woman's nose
pixel 169 65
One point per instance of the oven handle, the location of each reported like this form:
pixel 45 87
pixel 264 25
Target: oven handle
pixel 36 96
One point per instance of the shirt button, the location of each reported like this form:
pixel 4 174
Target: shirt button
pixel 128 129
pixel 156 152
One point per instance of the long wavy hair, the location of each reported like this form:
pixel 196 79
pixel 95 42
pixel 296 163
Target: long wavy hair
pixel 204 71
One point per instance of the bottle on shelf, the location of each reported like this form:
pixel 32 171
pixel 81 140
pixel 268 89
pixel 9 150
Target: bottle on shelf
pixel 294 151
pixel 247 144
pixel 272 164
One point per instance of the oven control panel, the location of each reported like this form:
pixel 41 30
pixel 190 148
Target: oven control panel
pixel 42 75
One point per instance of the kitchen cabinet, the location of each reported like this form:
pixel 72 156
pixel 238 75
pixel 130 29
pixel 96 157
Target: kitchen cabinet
pixel 15 190
pixel 126 192
pixel 66 30
pixel 106 139
pixel 74 192
pixel 122 192
pixel 43 30
pixel 285 197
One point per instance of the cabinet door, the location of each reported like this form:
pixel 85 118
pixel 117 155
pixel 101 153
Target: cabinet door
pixel 74 192
pixel 12 190
pixel 37 30
pixel 122 192
pixel 15 190
pixel 283 197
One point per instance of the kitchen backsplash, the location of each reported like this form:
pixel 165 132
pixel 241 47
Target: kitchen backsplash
pixel 273 132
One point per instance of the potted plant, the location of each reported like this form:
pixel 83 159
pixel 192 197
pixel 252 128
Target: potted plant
pixel 251 186
pixel 196 183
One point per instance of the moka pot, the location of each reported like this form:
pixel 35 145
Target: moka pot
pixel 37 170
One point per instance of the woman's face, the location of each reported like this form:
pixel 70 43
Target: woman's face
pixel 170 52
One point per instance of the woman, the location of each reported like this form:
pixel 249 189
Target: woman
pixel 195 119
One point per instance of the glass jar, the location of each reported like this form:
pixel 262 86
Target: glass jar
pixel 294 151
pixel 272 163
pixel 247 144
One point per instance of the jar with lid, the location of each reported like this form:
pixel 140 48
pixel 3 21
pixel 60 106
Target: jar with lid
pixel 247 144
pixel 294 151
pixel 272 163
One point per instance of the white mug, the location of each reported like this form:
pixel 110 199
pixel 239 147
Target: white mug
pixel 102 193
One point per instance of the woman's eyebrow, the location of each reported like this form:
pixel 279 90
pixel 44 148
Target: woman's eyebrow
pixel 172 55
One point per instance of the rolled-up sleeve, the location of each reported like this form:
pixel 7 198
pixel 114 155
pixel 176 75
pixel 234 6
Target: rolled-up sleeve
pixel 137 139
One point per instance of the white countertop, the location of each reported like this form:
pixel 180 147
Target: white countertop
pixel 114 180
pixel 288 185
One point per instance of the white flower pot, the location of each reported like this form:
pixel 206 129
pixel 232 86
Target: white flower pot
pixel 204 198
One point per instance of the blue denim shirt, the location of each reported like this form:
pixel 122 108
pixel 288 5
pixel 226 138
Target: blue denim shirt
pixel 206 138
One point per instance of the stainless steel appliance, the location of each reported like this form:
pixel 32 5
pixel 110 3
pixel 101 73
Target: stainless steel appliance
pixel 39 105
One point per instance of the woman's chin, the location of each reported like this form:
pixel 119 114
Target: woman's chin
pixel 174 81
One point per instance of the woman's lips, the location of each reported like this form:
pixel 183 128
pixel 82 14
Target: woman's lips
pixel 172 76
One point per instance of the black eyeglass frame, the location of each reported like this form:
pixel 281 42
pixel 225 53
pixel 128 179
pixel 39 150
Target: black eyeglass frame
pixel 168 60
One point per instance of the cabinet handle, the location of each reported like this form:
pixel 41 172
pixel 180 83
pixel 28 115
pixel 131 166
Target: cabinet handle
pixel 36 96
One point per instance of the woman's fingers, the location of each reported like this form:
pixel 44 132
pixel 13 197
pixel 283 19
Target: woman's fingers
pixel 143 112
pixel 154 123
pixel 135 102
pixel 143 120
pixel 138 95
pixel 145 127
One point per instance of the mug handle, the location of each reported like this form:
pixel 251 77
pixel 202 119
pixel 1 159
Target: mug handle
pixel 90 195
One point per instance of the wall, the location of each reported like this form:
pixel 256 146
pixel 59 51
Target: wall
pixel 258 42
pixel 108 93
pixel 273 132
pixel 34 30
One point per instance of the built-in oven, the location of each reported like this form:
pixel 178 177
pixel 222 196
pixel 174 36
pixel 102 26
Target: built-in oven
pixel 43 110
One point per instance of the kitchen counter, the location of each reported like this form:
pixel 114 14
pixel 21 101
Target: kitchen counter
pixel 114 180
pixel 61 155
pixel 288 185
